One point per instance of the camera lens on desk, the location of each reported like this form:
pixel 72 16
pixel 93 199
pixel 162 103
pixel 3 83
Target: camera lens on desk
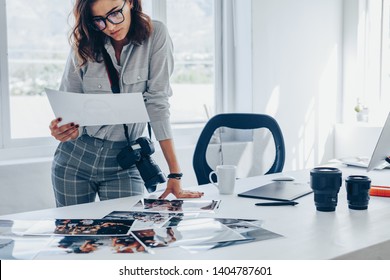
pixel 358 188
pixel 326 183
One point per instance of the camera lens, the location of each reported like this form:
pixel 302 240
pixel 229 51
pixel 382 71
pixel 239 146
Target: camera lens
pixel 326 183
pixel 150 172
pixel 358 191
pixel 139 154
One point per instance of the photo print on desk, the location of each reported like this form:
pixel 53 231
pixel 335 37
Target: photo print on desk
pixel 141 219
pixel 182 230
pixel 176 205
pixel 250 230
pixel 187 232
pixel 80 227
pixel 97 245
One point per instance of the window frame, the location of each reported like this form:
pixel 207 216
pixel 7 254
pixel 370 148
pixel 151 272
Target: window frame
pixel 8 146
pixel 227 57
pixel 4 98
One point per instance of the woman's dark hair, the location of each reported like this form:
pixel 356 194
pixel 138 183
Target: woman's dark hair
pixel 88 42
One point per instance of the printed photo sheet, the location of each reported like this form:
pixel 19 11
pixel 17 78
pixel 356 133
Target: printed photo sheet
pixel 250 230
pixel 187 232
pixel 91 245
pixel 184 231
pixel 177 205
pixel 80 227
pixel 141 219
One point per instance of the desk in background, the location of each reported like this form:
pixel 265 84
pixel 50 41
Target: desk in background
pixel 308 234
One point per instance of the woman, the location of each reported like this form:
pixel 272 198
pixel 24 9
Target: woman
pixel 141 51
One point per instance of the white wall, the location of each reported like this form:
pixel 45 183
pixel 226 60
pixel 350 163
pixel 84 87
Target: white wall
pixel 297 54
pixel 25 187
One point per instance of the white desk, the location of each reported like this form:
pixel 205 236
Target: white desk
pixel 308 234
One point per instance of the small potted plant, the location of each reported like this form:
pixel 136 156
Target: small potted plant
pixel 361 112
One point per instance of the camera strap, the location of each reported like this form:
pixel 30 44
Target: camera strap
pixel 115 88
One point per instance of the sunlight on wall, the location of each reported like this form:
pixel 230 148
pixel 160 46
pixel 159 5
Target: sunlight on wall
pixel 315 144
pixel 304 154
pixel 273 102
pixel 328 89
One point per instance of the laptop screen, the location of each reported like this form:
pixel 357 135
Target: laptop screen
pixel 382 148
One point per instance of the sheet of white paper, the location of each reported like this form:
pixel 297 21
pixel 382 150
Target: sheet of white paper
pixel 97 109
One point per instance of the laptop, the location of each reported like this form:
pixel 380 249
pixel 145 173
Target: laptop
pixel 382 148
pixel 360 161
pixel 279 191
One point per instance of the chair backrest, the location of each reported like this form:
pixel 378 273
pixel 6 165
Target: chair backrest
pixel 236 121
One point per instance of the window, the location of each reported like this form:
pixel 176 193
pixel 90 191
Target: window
pixel 37 50
pixel 191 26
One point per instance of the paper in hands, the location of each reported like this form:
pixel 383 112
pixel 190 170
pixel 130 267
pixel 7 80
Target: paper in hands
pixel 97 109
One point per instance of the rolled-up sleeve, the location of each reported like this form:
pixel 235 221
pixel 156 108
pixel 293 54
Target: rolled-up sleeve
pixel 158 86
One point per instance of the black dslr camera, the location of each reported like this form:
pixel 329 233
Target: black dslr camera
pixel 139 154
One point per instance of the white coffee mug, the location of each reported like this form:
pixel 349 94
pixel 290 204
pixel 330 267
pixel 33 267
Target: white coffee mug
pixel 226 178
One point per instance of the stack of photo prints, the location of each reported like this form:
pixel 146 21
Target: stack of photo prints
pixel 149 226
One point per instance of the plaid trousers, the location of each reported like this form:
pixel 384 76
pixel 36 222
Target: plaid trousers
pixel 86 167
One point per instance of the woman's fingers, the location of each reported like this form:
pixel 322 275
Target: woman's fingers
pixel 54 123
pixel 68 134
pixel 64 132
pixel 165 194
pixel 181 194
pixel 189 194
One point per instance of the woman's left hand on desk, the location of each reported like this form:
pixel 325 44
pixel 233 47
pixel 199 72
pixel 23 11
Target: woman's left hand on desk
pixel 174 187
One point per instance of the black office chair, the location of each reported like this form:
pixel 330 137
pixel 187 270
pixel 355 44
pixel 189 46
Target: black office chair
pixel 236 121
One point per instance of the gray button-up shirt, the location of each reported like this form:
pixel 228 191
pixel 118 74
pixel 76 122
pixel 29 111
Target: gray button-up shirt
pixel 143 68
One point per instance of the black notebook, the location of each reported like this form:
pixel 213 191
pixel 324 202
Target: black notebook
pixel 281 191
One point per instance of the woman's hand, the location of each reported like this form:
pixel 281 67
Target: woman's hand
pixel 64 132
pixel 174 187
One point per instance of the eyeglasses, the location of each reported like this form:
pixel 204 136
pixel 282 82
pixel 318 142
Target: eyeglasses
pixel 115 17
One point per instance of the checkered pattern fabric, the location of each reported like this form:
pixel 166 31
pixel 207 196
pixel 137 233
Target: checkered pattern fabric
pixel 87 167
